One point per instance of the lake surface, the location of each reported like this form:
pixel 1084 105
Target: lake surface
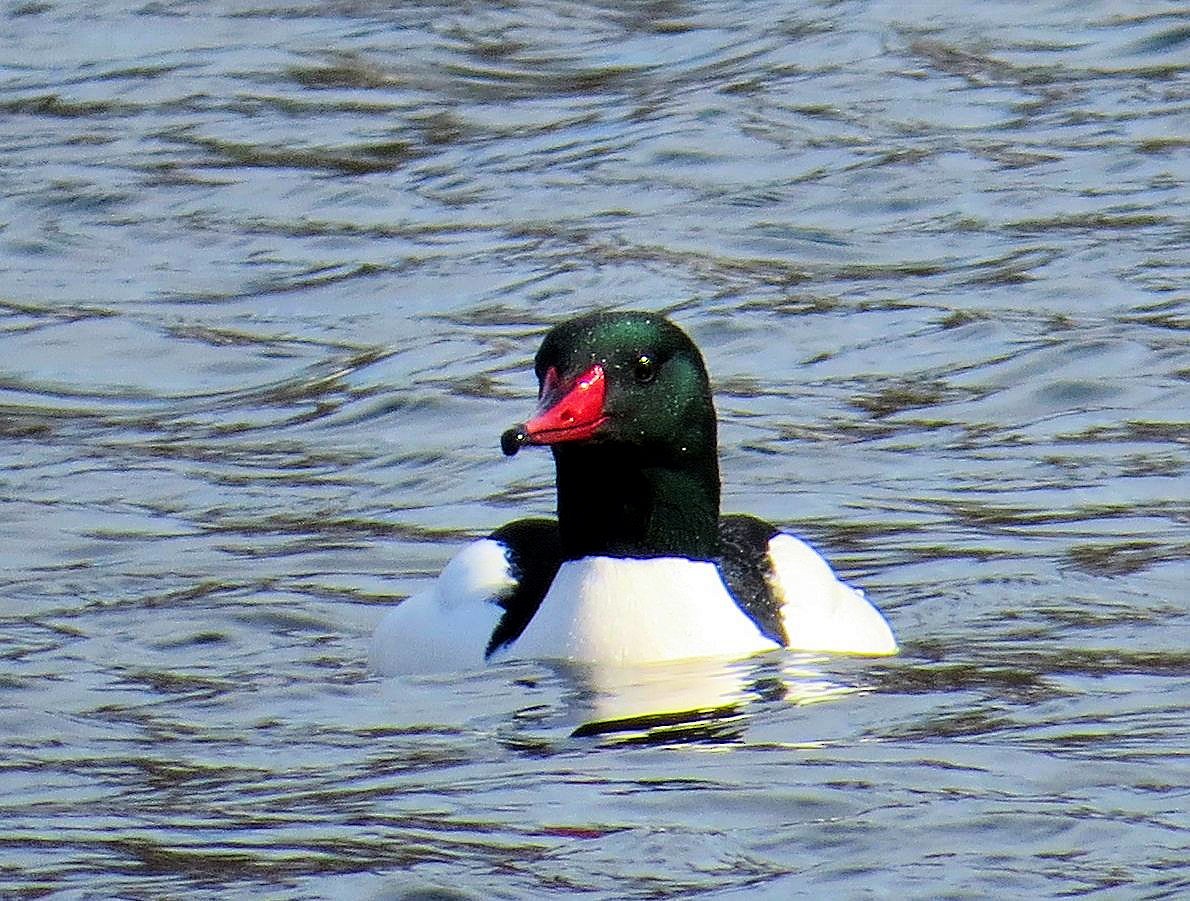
pixel 273 275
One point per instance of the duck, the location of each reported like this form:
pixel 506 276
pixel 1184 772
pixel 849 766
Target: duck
pixel 639 566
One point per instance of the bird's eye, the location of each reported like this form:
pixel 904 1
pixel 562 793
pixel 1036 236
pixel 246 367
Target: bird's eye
pixel 644 369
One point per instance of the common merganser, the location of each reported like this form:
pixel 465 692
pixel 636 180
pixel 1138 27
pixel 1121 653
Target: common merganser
pixel 639 565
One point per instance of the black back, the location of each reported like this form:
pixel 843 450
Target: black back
pixel 747 571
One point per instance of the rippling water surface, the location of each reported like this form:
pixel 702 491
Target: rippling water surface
pixel 272 279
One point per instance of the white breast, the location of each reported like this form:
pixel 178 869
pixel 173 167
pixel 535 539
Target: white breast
pixel 628 611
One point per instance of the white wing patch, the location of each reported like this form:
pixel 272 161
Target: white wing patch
pixel 820 612
pixel 447 626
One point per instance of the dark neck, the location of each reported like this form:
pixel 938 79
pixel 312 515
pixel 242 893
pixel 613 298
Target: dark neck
pixel 616 501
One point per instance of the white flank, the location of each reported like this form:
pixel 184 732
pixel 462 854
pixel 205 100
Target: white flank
pixel 820 612
pixel 625 611
pixel 446 627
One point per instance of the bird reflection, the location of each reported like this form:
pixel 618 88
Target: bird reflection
pixel 689 700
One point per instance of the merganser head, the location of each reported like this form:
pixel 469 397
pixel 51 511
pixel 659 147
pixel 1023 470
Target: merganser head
pixel 631 379
pixel 625 406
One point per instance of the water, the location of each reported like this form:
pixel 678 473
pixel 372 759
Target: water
pixel 273 276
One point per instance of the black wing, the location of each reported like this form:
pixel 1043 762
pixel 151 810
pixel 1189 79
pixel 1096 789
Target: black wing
pixel 534 555
pixel 747 571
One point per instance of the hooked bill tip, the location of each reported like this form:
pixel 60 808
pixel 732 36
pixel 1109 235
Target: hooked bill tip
pixel 512 440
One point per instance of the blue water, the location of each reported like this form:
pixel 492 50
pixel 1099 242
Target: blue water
pixel 273 275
